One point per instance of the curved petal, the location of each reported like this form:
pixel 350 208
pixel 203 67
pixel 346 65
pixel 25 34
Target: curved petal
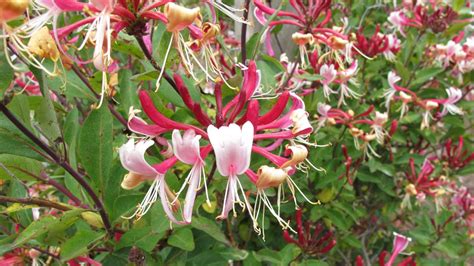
pixel 186 148
pixel 132 157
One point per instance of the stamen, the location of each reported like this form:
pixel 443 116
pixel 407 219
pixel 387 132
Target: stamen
pixel 150 198
pixel 163 66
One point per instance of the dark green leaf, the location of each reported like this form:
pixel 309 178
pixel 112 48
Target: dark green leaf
pixel 182 238
pixel 95 146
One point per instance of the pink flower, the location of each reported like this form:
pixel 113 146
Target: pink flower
pixel 346 76
pixel 233 148
pixel 186 149
pixel 132 157
pixel 454 96
pixel 329 74
pixel 400 243
pixel 398 20
pixel 393 46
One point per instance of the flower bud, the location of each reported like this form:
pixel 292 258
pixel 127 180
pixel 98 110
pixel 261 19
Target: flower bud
pixel 42 44
pixel 93 219
pixel 270 177
pixel 10 9
pixel 302 39
pixel 298 155
pixel 179 17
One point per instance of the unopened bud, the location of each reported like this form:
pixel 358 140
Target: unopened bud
pixel 93 219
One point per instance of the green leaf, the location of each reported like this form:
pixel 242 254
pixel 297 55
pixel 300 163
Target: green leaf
pixel 450 247
pixel 95 146
pixel 79 244
pixel 145 238
pixel 182 238
pixel 6 73
pixel 14 163
pixel 127 96
pixel 34 230
pixel 233 253
pixel 210 228
pixel 71 131
pixel 268 255
pixel 424 75
pixel 47 119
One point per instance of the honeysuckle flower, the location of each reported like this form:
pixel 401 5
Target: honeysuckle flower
pixel 48 11
pixel 132 157
pixel 329 74
pixel 186 149
pixel 400 243
pixel 399 21
pixel 180 18
pixel 233 147
pixel 454 96
pixel 428 106
pixel 323 111
pixel 393 46
pixel 305 17
pixel 390 92
pixel 41 43
pixel 237 125
pixel 377 126
pixel 346 76
pixel 302 39
pixel 405 98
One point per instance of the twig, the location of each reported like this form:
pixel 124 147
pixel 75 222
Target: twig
pixel 77 176
pixel 48 180
pixel 243 33
pixel 86 82
pixel 35 201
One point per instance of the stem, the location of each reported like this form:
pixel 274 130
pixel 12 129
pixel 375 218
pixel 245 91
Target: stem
pixel 86 82
pixel 78 177
pixel 415 44
pixel 243 33
pixel 48 180
pixel 35 201
pixel 154 63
